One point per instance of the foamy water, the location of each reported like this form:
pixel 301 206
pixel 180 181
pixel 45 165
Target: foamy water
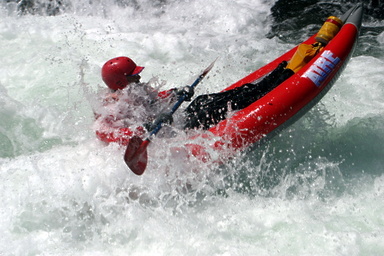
pixel 317 189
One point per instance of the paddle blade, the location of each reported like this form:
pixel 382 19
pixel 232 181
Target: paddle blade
pixel 205 72
pixel 136 155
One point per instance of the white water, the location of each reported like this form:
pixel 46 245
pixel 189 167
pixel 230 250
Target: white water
pixel 65 193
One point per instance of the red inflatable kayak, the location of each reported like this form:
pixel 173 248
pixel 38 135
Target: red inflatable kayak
pixel 271 113
pixel 287 102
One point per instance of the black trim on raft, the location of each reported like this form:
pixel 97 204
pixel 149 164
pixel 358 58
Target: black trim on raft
pixel 316 100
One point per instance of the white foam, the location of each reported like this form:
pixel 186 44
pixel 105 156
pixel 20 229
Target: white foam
pixel 75 196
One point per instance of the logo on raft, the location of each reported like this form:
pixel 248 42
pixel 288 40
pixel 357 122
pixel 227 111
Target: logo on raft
pixel 321 68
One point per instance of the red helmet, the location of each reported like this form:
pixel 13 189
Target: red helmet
pixel 115 71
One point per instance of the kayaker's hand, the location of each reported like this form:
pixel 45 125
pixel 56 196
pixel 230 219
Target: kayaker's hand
pixel 186 91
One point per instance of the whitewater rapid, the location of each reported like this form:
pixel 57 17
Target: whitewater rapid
pixel 317 189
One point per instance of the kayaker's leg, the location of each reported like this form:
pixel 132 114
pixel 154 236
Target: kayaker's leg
pixel 208 110
pixel 249 93
pixel 287 73
pixel 270 81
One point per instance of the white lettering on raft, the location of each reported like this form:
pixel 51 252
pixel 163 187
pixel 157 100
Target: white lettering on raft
pixel 322 67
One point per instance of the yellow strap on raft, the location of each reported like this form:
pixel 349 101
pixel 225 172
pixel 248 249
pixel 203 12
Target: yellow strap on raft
pixel 304 53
